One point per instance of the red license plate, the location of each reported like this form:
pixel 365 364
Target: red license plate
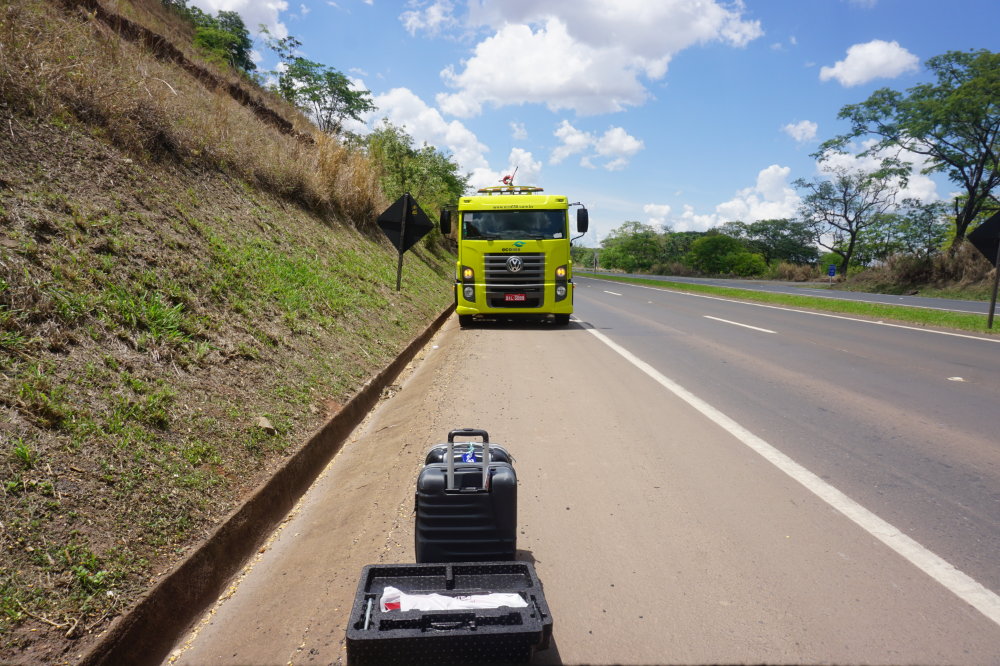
pixel 513 297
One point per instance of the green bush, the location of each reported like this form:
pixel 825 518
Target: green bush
pixel 748 264
pixel 712 254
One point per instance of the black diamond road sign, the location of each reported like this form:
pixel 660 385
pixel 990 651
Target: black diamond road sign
pixel 986 238
pixel 418 224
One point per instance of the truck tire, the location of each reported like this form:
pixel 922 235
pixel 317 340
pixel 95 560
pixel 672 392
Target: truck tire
pixel 562 319
pixel 465 321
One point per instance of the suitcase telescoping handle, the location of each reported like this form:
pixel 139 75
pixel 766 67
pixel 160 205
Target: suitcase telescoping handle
pixel 468 432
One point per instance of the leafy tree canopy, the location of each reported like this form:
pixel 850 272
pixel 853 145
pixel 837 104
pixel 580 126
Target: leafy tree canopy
pixel 953 123
pixel 322 92
pixel 715 253
pixel 839 208
pixel 632 246
pixel 775 240
pixel 432 177
pixel 223 38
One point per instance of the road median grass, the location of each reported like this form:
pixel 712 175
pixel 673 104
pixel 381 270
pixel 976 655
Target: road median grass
pixel 878 311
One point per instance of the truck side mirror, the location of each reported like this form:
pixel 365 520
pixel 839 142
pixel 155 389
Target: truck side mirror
pixel 582 220
pixel 445 222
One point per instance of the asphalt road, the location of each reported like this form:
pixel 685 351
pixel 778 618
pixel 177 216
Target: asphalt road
pixel 659 533
pixel 816 291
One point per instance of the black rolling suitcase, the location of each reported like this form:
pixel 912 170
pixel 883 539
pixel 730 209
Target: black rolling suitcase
pixel 466 511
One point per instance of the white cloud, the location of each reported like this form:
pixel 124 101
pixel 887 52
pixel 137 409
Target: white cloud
pixel 793 40
pixel 678 193
pixel 585 55
pixel 691 222
pixel 770 199
pixel 254 12
pixel 425 123
pixel 802 131
pixel 874 60
pixel 867 4
pixel 657 212
pixel 432 20
pixel 573 141
pixel 358 71
pixel 776 47
pixel 305 10
pixel 615 143
pixel 368 2
pixel 528 170
pixel 520 134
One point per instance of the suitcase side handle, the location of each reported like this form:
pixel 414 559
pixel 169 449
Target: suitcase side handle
pixel 469 432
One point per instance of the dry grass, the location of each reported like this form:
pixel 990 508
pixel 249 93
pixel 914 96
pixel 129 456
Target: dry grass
pixel 68 67
pixel 964 273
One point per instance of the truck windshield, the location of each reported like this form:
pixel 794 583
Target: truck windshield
pixel 514 224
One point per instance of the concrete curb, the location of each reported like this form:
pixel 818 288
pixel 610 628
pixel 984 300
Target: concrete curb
pixel 147 632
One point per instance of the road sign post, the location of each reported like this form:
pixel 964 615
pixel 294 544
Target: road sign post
pixel 402 234
pixel 404 223
pixel 831 272
pixel 986 239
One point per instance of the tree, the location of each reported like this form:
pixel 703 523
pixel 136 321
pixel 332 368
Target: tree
pixel 239 54
pixel 774 240
pixel 632 246
pixel 715 253
pixel 954 124
pixel 879 240
pixel 429 175
pixel 836 210
pixel 322 92
pixel 923 227
pixel 675 245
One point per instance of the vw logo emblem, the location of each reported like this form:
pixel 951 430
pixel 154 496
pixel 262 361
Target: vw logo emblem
pixel 514 264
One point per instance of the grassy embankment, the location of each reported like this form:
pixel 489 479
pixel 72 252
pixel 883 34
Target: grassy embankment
pixel 171 268
pixel 965 322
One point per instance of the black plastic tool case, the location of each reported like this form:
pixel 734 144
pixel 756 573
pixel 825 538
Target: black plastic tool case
pixel 466 637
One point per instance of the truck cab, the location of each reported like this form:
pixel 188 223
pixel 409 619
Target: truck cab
pixel 513 253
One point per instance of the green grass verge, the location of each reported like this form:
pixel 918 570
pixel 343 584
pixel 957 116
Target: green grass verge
pixel 920 317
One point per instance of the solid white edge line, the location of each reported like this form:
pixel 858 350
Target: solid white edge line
pixel 612 293
pixel 736 323
pixel 818 314
pixel 959 583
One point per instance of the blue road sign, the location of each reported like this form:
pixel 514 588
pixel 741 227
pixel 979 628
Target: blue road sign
pixel 833 270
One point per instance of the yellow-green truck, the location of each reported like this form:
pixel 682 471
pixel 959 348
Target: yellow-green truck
pixel 513 253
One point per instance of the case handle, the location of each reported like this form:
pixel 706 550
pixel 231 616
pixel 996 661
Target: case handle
pixel 469 432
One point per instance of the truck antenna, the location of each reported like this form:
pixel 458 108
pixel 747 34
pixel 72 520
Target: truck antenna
pixel 509 180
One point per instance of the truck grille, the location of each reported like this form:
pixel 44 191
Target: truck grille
pixel 530 280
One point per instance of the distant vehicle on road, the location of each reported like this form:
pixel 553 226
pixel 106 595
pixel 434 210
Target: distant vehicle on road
pixel 513 253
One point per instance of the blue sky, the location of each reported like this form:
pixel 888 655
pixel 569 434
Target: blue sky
pixel 687 113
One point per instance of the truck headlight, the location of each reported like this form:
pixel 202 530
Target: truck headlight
pixel 561 291
pixel 469 293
